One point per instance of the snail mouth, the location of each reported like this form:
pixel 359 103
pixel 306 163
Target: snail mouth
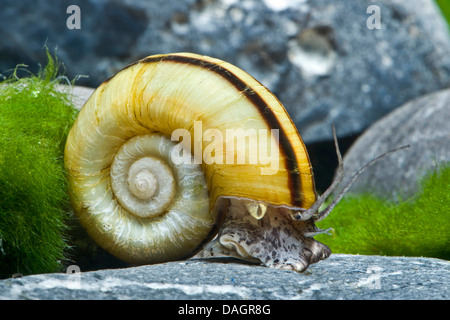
pixel 316 252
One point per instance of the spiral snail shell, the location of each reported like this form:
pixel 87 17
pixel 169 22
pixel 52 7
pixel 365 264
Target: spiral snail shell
pixel 254 199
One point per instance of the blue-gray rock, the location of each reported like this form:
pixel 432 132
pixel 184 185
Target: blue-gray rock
pixel 78 94
pixel 319 57
pixel 423 123
pixel 339 277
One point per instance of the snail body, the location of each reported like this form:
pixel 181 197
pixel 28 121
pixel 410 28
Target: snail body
pixel 182 154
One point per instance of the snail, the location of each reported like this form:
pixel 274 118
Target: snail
pixel 183 155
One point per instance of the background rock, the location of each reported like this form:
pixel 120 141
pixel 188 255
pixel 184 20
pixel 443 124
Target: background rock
pixel 423 123
pixel 79 94
pixel 318 57
pixel 338 277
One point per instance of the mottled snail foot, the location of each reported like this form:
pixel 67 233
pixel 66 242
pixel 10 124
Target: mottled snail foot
pixel 273 240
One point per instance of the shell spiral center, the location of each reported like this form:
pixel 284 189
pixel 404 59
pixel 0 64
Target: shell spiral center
pixel 142 183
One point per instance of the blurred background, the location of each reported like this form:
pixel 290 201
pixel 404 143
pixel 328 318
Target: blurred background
pixel 341 62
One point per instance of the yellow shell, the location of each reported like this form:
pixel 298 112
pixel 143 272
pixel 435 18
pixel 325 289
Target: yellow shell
pixel 156 96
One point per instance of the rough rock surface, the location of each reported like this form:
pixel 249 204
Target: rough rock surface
pixel 339 277
pixel 423 123
pixel 319 57
pixel 79 94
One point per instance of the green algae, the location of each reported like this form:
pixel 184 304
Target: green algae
pixel 35 118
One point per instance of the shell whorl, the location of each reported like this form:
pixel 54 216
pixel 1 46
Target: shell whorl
pixel 116 176
pixel 141 176
pixel 119 220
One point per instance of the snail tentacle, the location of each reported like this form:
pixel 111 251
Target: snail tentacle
pixel 323 214
pixel 312 211
pixel 319 231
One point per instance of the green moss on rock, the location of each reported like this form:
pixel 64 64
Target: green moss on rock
pixel 444 5
pixel 414 227
pixel 35 119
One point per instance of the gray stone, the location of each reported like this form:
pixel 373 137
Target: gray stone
pixel 339 277
pixel 319 57
pixel 423 123
pixel 78 94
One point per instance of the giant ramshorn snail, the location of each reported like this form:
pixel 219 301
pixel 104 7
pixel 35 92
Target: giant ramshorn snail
pixel 143 195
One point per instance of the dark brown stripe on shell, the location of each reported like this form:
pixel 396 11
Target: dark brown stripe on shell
pixel 258 102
